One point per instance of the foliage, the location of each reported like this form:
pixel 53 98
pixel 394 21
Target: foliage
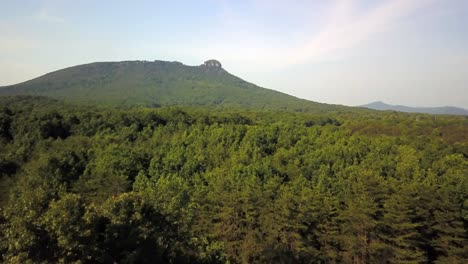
pixel 199 185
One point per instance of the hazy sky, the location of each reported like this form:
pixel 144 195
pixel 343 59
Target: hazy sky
pixel 412 52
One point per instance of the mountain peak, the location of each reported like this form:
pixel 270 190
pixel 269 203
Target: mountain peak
pixel 157 83
pixel 212 64
pixel 378 103
pixel 446 110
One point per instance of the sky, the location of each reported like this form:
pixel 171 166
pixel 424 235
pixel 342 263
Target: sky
pixel 350 52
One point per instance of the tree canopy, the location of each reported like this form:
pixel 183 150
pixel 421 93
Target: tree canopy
pixel 200 185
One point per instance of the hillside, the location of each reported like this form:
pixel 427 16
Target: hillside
pixel 157 83
pixel 446 110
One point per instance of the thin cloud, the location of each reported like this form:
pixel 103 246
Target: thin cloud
pixel 344 27
pixel 345 30
pixel 44 14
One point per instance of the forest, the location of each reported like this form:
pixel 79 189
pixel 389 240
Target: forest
pixel 82 184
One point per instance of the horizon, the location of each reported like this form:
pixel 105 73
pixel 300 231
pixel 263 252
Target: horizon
pixel 347 52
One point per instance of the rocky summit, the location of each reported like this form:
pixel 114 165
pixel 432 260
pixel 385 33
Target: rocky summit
pixel 212 63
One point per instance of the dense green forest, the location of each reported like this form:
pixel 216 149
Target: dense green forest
pixel 201 185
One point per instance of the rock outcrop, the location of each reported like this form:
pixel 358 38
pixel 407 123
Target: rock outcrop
pixel 212 64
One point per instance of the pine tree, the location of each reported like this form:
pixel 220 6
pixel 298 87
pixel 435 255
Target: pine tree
pixel 399 232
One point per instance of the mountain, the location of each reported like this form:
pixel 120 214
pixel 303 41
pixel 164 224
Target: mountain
pixel 446 110
pixel 158 83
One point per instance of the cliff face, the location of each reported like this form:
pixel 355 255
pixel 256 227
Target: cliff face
pixel 212 63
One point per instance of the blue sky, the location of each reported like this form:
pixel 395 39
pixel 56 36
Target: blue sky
pixel 412 52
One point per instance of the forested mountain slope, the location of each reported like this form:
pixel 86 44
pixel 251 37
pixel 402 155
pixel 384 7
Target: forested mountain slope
pixel 185 185
pixel 159 83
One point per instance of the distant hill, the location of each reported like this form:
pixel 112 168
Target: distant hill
pixel 446 110
pixel 158 83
